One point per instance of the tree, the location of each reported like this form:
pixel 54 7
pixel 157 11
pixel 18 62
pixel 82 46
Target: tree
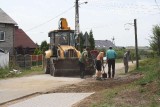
pixel 44 46
pixel 91 40
pixel 81 41
pixel 37 51
pixel 155 39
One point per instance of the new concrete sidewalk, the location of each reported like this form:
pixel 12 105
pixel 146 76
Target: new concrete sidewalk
pixel 53 100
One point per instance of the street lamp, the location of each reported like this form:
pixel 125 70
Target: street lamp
pixel 136 41
pixel 77 30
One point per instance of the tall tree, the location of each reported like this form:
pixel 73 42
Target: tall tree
pixel 81 41
pixel 86 40
pixel 91 40
pixel 155 39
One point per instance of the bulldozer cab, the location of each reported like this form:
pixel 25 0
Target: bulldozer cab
pixel 62 37
pixel 62 43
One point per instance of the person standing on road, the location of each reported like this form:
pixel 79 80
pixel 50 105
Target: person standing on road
pixel 126 57
pixel 110 57
pixel 99 63
pixel 82 62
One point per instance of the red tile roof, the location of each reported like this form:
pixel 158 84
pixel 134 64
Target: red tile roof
pixel 23 40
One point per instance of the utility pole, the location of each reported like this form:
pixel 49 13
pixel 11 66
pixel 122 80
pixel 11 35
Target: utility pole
pixel 113 40
pixel 77 23
pixel 136 43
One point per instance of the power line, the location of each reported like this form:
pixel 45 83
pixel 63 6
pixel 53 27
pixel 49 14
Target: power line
pixel 129 7
pixel 49 19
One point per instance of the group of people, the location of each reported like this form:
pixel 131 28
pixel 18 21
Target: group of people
pixel 110 60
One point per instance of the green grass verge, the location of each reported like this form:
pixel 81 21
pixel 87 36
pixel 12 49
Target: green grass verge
pixel 151 70
pixel 5 73
pixel 109 96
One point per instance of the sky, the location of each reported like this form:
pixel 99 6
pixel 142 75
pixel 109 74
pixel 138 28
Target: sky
pixel 106 18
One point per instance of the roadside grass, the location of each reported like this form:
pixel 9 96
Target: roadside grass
pixel 32 71
pixel 6 72
pixel 151 69
pixel 144 92
pixel 3 72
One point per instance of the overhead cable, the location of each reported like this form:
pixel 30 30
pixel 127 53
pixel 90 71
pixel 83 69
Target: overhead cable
pixel 49 19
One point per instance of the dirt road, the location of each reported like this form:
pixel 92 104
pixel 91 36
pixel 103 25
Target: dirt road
pixel 119 68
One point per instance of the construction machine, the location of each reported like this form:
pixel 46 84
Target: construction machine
pixel 63 57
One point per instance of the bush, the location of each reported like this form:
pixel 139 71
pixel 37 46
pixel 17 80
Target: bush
pixel 120 54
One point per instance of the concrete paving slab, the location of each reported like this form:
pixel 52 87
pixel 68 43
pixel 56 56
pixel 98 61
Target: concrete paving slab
pixel 10 95
pixel 53 100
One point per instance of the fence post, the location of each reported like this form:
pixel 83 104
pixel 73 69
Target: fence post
pixel 43 61
pixel 31 60
pixel 37 60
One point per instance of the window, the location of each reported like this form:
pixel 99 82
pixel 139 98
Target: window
pixel 2 36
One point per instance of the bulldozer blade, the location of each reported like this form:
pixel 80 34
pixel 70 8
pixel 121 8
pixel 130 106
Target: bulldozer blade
pixel 68 67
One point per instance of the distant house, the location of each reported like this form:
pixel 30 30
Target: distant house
pixel 103 44
pixel 13 39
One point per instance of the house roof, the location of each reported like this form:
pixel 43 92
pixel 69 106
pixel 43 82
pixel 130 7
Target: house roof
pixel 4 18
pixel 103 44
pixel 23 40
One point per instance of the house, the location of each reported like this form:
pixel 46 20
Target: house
pixel 7 28
pixel 13 39
pixel 22 43
pixel 103 44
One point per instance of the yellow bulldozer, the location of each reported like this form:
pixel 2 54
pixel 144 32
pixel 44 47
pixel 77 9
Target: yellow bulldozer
pixel 62 56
